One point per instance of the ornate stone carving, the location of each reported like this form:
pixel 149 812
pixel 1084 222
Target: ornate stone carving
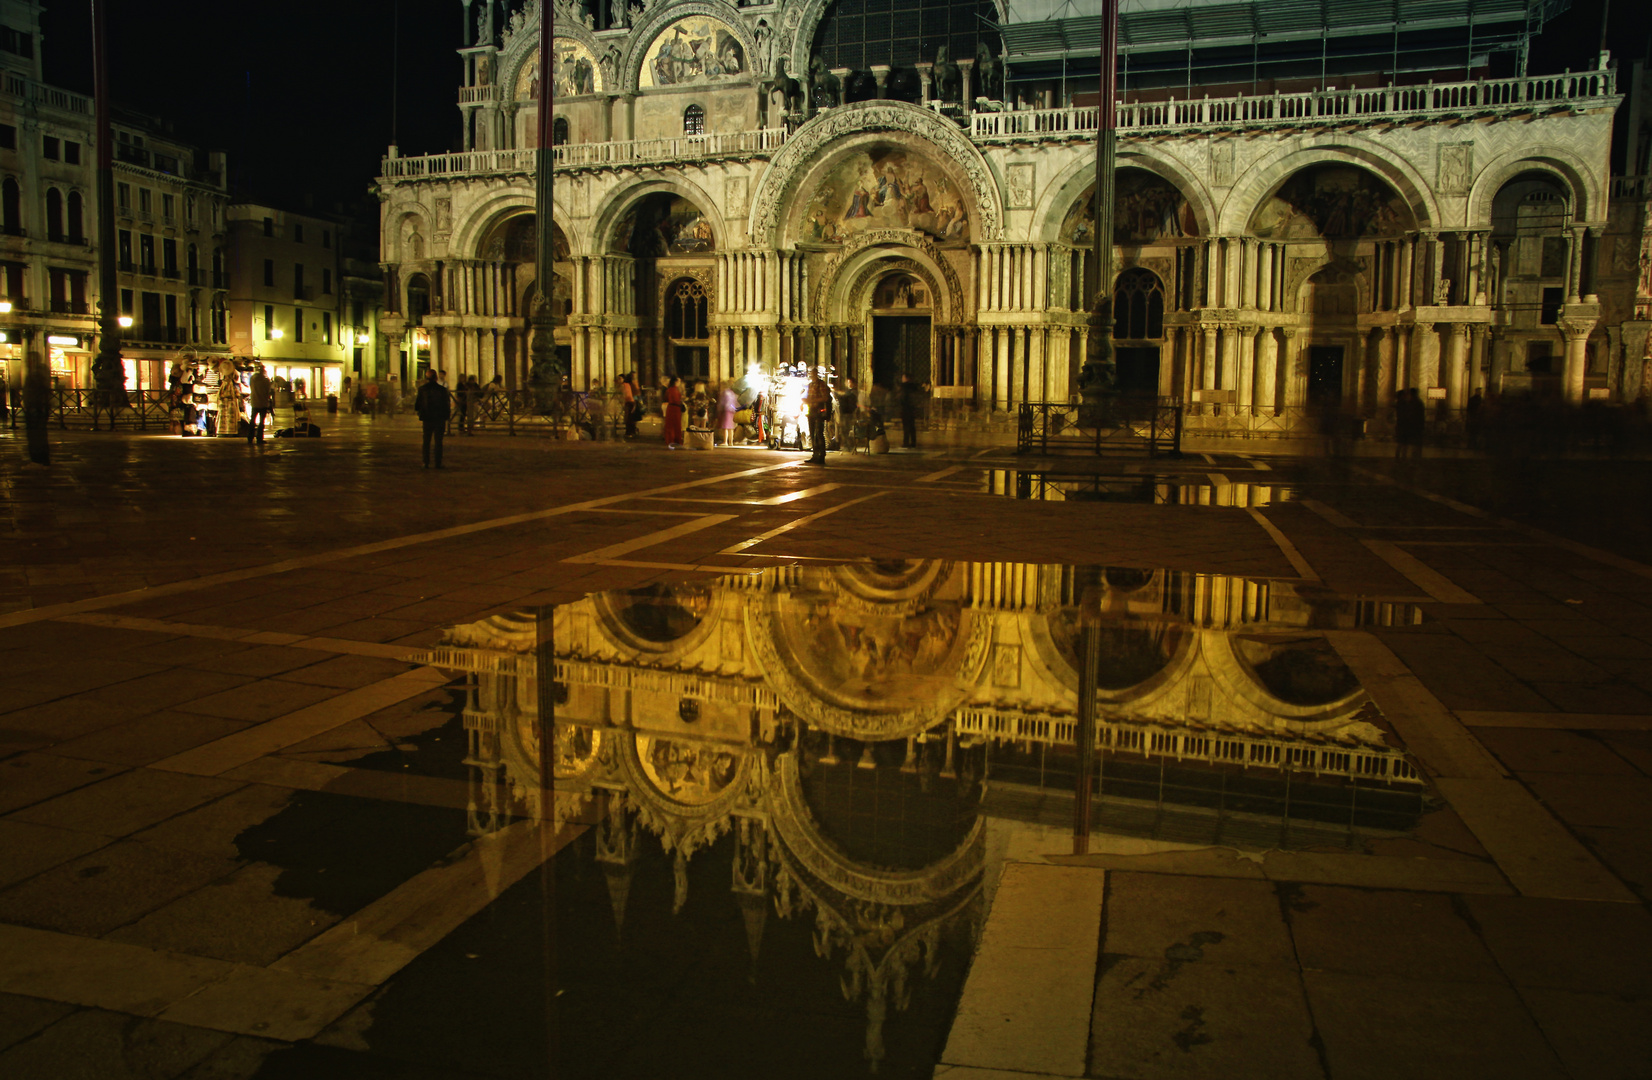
pixel 736 197
pixel 876 237
pixel 1018 186
pixel 659 16
pixel 870 274
pixel 1456 168
pixel 1221 163
pixel 871 116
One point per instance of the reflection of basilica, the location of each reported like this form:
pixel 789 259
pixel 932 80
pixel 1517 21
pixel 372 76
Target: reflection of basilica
pixel 842 726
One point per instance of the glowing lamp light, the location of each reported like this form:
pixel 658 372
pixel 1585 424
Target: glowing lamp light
pixel 62 339
pixel 124 322
pixel 4 337
pixel 5 307
pixel 278 333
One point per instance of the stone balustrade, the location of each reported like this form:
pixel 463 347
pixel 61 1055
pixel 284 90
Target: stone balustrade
pixel 596 155
pixel 1432 101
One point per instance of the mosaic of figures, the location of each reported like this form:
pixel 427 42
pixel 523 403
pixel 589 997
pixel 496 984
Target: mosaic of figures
pixel 1335 202
pixel 662 226
pixel 573 67
pixel 901 292
pixel 886 188
pixel 690 51
pixel 1147 208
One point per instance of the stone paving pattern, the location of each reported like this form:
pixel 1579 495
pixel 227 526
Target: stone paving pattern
pixel 166 595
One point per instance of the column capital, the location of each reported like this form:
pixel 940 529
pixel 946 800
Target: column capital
pixel 1577 326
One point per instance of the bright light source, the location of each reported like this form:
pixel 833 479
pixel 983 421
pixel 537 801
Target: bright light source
pixel 4 337
pixel 278 333
pixel 124 322
pixel 5 307
pixel 62 339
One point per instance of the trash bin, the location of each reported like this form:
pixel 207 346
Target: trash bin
pixel 332 403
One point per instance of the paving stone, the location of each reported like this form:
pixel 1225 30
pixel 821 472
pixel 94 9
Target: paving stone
pixel 1596 1036
pixel 148 739
pixel 125 803
pixel 1597 948
pixel 1387 934
pixel 1595 800
pixel 260 701
pixel 241 918
pixel 1527 750
pixel 1163 1017
pixel 212 829
pixel 242 1058
pixel 26 850
pixel 1378 1028
pixel 21 1017
pixel 110 887
pixel 109 1046
pixel 1238 922
pixel 32 778
pixel 347 672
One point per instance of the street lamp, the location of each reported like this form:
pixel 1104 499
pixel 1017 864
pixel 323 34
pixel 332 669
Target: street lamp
pixel 277 334
pixel 5 307
pixel 124 322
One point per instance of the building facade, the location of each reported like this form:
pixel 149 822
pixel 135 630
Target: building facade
pixel 753 186
pixel 170 199
pixel 297 302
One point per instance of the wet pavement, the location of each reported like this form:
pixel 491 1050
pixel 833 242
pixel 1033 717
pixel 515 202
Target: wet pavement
pixel 1367 794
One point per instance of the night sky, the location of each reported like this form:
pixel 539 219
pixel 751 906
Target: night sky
pixel 301 96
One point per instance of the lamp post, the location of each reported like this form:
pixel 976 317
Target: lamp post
pixel 1097 378
pixel 545 374
pixel 108 373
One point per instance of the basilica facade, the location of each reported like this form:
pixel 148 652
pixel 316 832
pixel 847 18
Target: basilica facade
pixel 725 200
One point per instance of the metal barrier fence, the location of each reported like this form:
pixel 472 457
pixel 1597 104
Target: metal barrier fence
pixel 1114 423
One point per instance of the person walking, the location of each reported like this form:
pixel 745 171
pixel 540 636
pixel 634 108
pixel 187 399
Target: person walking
pixel 370 398
pixel 848 414
pixel 910 391
pixel 728 403
pixel 628 398
pixel 818 400
pixel 261 400
pixel 673 414
pixel 434 406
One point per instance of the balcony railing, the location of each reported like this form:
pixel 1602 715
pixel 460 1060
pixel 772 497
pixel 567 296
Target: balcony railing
pixel 70 307
pixel 1486 97
pixel 587 155
pixel 475 95
pixel 1631 187
pixel 49 96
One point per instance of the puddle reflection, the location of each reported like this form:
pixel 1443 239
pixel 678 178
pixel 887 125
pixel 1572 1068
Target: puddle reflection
pixel 1161 489
pixel 862 743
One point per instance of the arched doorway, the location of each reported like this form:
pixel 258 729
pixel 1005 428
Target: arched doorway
pixel 1528 276
pixel 1138 331
pixel 1332 303
pixel 661 253
pixel 902 317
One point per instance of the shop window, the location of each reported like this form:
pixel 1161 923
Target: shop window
pixel 686 311
pixel 54 214
pixel 694 120
pixel 1138 306
pixel 77 218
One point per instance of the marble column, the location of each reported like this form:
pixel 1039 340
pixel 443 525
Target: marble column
pixel 1293 369
pixel 1385 369
pixel 1456 366
pixel 1246 382
pixel 1267 372
pixel 1576 332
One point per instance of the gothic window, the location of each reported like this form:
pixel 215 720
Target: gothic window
pixel 559 131
pixel 1138 306
pixel 685 318
pixel 694 120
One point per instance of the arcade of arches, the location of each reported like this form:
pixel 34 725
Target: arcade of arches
pixel 1254 278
